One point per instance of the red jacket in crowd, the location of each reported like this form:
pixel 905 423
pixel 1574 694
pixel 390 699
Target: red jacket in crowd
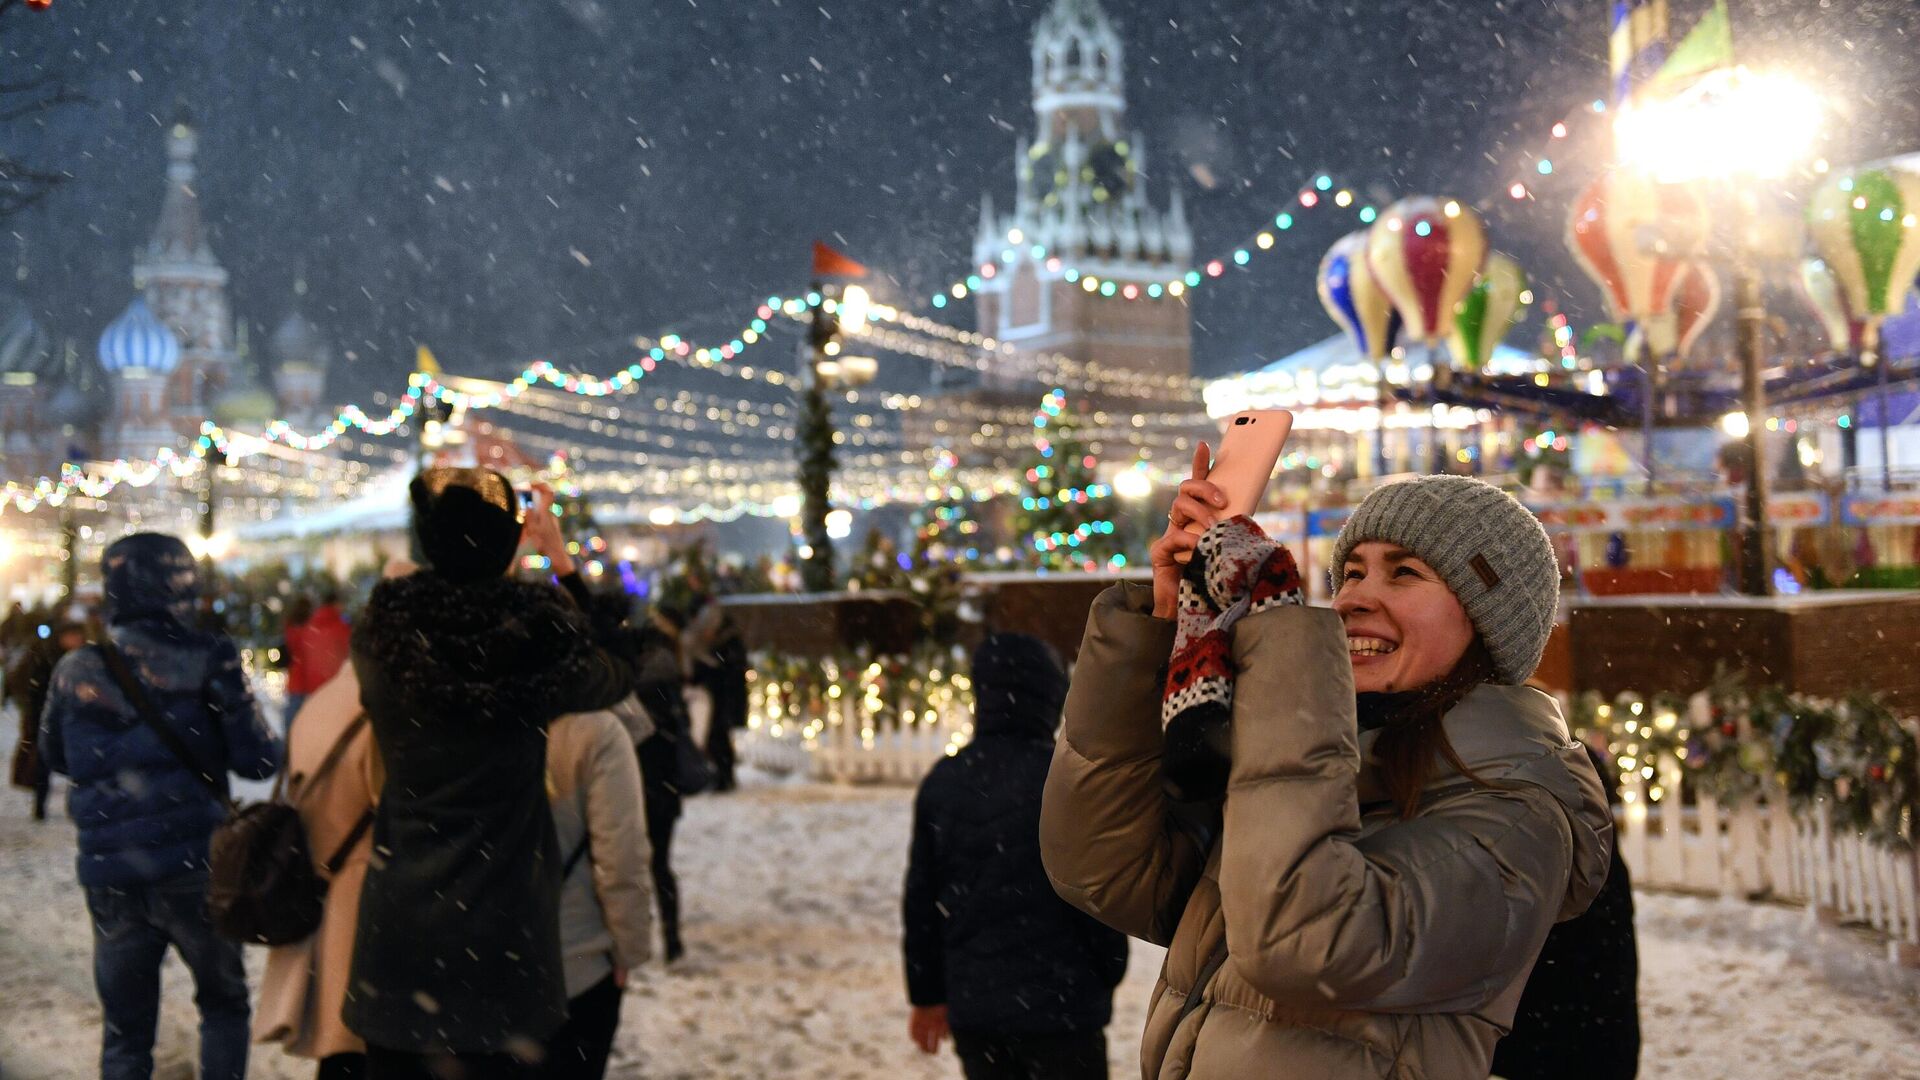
pixel 316 649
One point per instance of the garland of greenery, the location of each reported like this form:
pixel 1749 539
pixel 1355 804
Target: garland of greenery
pixel 1854 754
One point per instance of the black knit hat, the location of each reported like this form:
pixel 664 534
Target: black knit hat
pixel 467 522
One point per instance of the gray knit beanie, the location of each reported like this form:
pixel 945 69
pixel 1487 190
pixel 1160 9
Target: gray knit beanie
pixel 1489 549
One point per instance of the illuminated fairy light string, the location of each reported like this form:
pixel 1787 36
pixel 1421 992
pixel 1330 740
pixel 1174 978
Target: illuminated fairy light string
pixel 1316 193
pixel 1322 192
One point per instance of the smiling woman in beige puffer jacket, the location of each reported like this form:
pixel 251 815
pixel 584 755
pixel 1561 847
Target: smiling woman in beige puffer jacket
pixel 1376 825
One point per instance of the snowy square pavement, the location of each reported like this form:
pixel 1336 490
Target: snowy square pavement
pixel 792 895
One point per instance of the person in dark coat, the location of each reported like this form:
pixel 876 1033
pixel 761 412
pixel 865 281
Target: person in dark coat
pixel 651 651
pixel 146 816
pixel 457 961
pixel 27 684
pixel 1579 1017
pixel 1022 980
pixel 720 665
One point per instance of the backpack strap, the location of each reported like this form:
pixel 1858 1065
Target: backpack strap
pixel 339 856
pixel 573 860
pixel 333 757
pixel 143 707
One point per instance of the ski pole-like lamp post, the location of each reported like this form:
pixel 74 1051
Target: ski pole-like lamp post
pixel 1732 131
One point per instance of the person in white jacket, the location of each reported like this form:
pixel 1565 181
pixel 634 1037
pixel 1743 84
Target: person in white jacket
pixel 606 917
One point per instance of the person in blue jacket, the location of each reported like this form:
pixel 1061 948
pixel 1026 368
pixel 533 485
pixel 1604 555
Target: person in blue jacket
pixel 145 816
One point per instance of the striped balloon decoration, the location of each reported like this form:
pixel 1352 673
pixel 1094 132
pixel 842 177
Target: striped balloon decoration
pixel 1353 298
pixel 1829 301
pixel 1424 252
pixel 1696 299
pixel 1616 231
pixel 1487 312
pixel 1866 226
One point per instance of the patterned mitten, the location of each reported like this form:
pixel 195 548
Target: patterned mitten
pixel 1236 572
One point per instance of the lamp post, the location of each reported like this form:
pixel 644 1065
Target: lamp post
pixel 827 367
pixel 1732 129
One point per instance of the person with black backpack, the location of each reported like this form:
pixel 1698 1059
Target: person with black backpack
pixel 147 724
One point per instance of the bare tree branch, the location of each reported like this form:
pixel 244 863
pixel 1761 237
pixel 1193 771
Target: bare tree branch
pixel 21 185
pixel 62 96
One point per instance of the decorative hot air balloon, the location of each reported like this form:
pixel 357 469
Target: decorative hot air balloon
pixel 1489 310
pixel 1867 228
pixel 1829 301
pixel 1353 298
pixel 1695 300
pixel 1425 252
pixel 1630 235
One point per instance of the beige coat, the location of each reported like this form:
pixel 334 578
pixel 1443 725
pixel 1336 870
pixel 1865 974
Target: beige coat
pixel 1345 942
pixel 306 982
pixel 593 778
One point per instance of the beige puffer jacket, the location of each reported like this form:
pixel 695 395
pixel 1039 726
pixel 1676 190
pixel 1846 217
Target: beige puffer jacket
pixel 1310 931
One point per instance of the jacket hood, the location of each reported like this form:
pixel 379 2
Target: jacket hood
pixel 150 575
pixel 495 650
pixel 1515 734
pixel 1019 687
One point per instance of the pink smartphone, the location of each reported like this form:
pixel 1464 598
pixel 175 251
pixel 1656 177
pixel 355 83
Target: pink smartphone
pixel 1246 458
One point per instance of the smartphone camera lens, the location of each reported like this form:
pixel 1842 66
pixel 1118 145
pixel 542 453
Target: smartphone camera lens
pixel 1243 420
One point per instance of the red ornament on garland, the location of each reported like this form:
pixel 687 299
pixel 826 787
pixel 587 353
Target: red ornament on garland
pixel 39 5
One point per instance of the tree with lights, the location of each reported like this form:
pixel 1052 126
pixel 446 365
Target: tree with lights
pixel 1063 517
pixel 945 529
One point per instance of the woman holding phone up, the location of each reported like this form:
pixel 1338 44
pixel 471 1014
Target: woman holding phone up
pixel 1352 828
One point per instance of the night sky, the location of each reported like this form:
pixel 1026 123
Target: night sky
pixel 432 168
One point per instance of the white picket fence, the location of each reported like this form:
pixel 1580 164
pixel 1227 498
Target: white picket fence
pixel 844 750
pixel 1761 849
pixel 1765 848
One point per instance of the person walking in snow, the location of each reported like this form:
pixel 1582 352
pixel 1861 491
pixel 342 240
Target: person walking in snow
pixel 457 968
pixel 305 983
pixel 606 921
pixel 147 724
pixel 27 683
pixel 652 653
pixel 718 656
pixel 1352 828
pixel 1022 981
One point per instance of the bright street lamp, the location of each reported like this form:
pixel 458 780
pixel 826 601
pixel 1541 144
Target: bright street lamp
pixel 1732 128
pixel 1730 123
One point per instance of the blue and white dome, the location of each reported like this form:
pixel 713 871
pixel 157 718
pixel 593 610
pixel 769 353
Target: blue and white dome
pixel 137 341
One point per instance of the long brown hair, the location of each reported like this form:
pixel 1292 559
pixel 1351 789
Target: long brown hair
pixel 1412 737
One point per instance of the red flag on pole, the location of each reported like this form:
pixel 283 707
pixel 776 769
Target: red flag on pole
pixel 830 263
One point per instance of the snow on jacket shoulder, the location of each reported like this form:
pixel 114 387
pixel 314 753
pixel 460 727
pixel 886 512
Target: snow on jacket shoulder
pixel 143 815
pixel 1315 933
pixel 606 920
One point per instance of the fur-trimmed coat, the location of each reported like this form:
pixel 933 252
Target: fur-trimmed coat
pixel 458 943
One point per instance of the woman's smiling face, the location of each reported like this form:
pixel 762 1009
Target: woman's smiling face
pixel 1405 628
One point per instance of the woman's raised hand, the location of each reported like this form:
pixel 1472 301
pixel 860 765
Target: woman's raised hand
pixel 1197 503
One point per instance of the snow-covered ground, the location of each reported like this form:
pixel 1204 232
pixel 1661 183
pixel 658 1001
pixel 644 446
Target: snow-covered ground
pixel 792 892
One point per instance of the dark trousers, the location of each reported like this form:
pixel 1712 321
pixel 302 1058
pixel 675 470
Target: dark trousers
pixel 132 929
pixel 343 1067
pixel 385 1064
pixel 42 787
pixel 663 812
pixel 1069 1055
pixel 578 1051
pixel 720 752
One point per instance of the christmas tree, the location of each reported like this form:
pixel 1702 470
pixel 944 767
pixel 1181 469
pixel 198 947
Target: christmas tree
pixel 1063 515
pixel 945 529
